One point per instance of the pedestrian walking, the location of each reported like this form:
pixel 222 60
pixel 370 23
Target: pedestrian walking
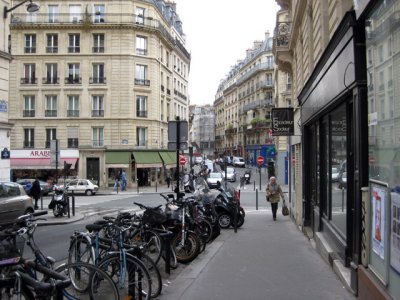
pixel 35 192
pixel 116 184
pixel 124 182
pixel 273 192
pixel 168 179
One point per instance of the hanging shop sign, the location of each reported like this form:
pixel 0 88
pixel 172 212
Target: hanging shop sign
pixel 282 122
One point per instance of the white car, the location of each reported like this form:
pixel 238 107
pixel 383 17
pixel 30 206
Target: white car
pixel 238 162
pixel 230 174
pixel 213 179
pixel 335 174
pixel 84 186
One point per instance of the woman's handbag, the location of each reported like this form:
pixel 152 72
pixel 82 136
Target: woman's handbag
pixel 285 209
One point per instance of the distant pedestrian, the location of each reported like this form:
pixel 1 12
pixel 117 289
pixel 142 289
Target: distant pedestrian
pixel 124 182
pixel 274 191
pixel 168 179
pixel 116 184
pixel 35 192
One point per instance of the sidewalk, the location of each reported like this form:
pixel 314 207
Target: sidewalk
pixel 263 260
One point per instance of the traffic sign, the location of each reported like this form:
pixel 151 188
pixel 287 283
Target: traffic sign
pixel 182 160
pixel 260 160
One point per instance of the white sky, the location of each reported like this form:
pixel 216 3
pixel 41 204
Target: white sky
pixel 218 33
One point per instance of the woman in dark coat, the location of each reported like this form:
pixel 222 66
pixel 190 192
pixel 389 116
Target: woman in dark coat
pixel 274 193
pixel 35 192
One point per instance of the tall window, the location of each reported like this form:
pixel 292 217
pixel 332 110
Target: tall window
pixel 99 11
pixel 268 79
pixel 30 43
pixel 51 106
pixel 98 106
pixel 141 106
pixel 29 74
pixel 53 13
pixel 29 138
pixel 98 43
pixel 73 106
pixel 29 106
pixel 141 136
pixel 141 45
pixel 74 43
pixel 50 136
pixel 51 74
pixel 141 75
pixel 73 137
pixel 52 43
pixel 98 136
pixel 98 73
pixel 139 19
pixel 75 13
pixel 73 74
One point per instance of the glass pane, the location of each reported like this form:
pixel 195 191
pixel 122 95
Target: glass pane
pixel 338 163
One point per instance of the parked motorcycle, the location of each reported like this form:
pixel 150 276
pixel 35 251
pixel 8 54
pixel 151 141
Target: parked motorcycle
pixel 59 201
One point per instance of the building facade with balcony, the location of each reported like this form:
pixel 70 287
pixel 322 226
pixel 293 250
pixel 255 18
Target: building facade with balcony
pixel 341 56
pixel 202 132
pixel 248 93
pixel 103 79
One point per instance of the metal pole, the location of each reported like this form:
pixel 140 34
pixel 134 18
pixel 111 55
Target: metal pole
pixel 73 203
pixel 256 199
pixel 69 211
pixel 41 201
pixel 57 162
pixel 342 199
pixel 260 176
pixel 137 185
pixel 254 185
pixel 178 142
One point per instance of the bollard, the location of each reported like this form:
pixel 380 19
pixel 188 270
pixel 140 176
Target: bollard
pixel 73 203
pixel 256 199
pixel 342 199
pixel 69 213
pixel 156 185
pixel 41 201
pixel 137 185
pixel 254 185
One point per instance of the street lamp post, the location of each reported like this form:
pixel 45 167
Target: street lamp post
pixel 32 7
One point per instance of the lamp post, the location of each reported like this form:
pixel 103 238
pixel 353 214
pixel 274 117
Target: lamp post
pixel 31 7
pixel 237 138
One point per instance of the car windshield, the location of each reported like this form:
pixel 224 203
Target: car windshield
pixel 230 170
pixel 215 175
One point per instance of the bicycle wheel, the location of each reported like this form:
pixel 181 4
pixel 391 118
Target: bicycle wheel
pixel 151 242
pixel 90 282
pixel 8 290
pixel 81 250
pixel 130 276
pixel 155 275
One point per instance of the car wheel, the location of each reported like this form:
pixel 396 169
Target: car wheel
pixel 224 220
pixel 89 193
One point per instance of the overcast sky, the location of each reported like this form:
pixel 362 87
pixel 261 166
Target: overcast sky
pixel 218 33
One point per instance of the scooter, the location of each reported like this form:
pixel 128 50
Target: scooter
pixel 247 176
pixel 59 201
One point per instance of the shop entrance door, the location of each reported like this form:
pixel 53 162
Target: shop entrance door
pixel 93 169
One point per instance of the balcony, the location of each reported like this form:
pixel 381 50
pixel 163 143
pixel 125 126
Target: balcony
pixel 73 80
pixel 74 49
pixel 256 69
pixel 264 103
pixel 98 49
pixel 144 82
pixel 28 80
pixel 30 50
pixel 97 80
pixel 162 88
pixel 179 94
pixel 281 47
pixel 73 113
pixel 98 113
pixel 50 80
pixel 29 144
pixel 52 113
pixel 73 143
pixel 141 113
pixel 51 49
pixel 28 113
pixel 257 125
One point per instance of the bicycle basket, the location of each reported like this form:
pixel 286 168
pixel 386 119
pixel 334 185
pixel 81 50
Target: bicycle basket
pixel 11 249
pixel 154 216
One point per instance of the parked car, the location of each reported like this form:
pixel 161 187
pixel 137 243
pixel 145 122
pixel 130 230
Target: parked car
pixel 214 179
pixel 14 201
pixel 230 174
pixel 84 186
pixel 342 180
pixel 238 162
pixel 27 184
pixel 335 174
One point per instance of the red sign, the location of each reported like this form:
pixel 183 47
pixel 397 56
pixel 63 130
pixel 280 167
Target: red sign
pixel 182 160
pixel 260 160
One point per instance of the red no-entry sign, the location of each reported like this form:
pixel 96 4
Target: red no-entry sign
pixel 260 160
pixel 182 160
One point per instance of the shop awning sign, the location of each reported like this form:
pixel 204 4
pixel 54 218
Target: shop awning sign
pixel 282 122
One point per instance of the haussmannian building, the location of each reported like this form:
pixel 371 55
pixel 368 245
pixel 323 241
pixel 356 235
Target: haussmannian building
pixel 102 78
pixel 343 60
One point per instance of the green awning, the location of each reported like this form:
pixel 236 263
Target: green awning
pixel 169 158
pixel 147 159
pixel 118 159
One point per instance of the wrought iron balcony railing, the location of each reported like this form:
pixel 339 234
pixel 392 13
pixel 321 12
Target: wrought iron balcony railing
pixel 73 143
pixel 97 143
pixel 141 113
pixel 28 113
pixel 50 80
pixel 139 81
pixel 50 113
pixel 28 80
pixel 97 80
pixel 98 49
pixel 52 49
pixel 73 113
pixel 73 80
pixel 98 113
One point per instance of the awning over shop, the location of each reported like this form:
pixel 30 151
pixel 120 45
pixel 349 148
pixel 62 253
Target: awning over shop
pixel 169 158
pixel 118 159
pixel 147 159
pixel 40 163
